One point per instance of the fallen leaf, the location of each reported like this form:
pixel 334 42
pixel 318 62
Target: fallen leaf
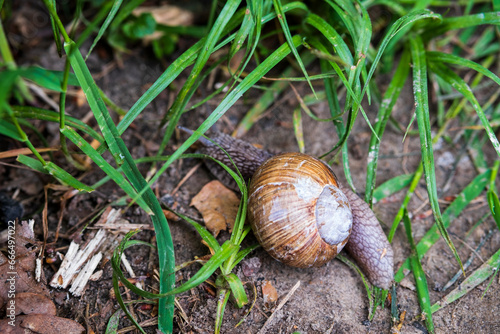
pixel 269 294
pixel 218 206
pixel 167 15
pixel 30 303
pixel 49 324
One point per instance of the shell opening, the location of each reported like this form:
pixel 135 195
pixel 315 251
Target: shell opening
pixel 333 216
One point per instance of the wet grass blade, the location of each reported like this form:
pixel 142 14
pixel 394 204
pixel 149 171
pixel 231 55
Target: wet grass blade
pixel 104 166
pixel 65 177
pixel 461 86
pixel 221 306
pixel 460 22
pixel 477 277
pixel 422 112
pixel 202 231
pixel 288 35
pixel 209 45
pixel 441 57
pixel 28 112
pixel 230 99
pixel 297 128
pixel 420 280
pixel 385 110
pixel 472 191
pixel 492 196
pixel 226 250
pixel 237 289
pixel 31 163
pixel 392 186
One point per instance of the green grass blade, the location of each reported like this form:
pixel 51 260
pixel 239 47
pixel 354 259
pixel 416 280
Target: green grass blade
pixel 31 163
pixel 422 111
pixel 239 294
pixel 472 191
pixel 230 99
pixel 104 166
pixel 288 35
pixel 392 186
pixel 121 303
pixel 333 37
pixel 46 78
pixel 107 22
pixel 226 250
pixel 202 231
pixel 460 22
pixel 398 26
pixel 441 57
pixel 297 128
pixel 461 86
pixel 94 99
pixel 65 177
pixel 122 156
pixel 221 306
pixel 385 110
pixel 242 254
pixel 181 100
pixel 477 277
pixel 8 129
pixel 494 205
pixel 420 280
pixel 28 112
pixel 114 322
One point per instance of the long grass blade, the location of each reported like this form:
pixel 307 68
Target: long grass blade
pixel 472 191
pixel 385 110
pixel 107 22
pixel 420 280
pixel 459 84
pixel 422 112
pixel 477 277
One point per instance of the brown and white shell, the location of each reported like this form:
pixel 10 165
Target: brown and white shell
pixel 297 211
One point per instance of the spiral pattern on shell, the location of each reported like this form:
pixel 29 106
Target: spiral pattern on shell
pixel 297 211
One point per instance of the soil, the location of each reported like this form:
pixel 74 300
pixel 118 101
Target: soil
pixel 330 299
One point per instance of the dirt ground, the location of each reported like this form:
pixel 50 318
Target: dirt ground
pixel 330 299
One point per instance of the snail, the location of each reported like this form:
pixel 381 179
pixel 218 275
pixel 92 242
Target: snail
pixel 299 212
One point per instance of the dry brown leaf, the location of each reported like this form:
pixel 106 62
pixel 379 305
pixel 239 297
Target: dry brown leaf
pixel 49 324
pixel 218 206
pixel 40 324
pixel 269 294
pixel 29 303
pixel 167 15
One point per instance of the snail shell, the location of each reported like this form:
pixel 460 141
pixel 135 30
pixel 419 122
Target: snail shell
pixel 297 211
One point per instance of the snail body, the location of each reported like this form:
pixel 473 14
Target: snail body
pixel 300 213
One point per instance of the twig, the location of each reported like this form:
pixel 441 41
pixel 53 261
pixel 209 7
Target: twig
pixel 184 179
pixel 283 302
